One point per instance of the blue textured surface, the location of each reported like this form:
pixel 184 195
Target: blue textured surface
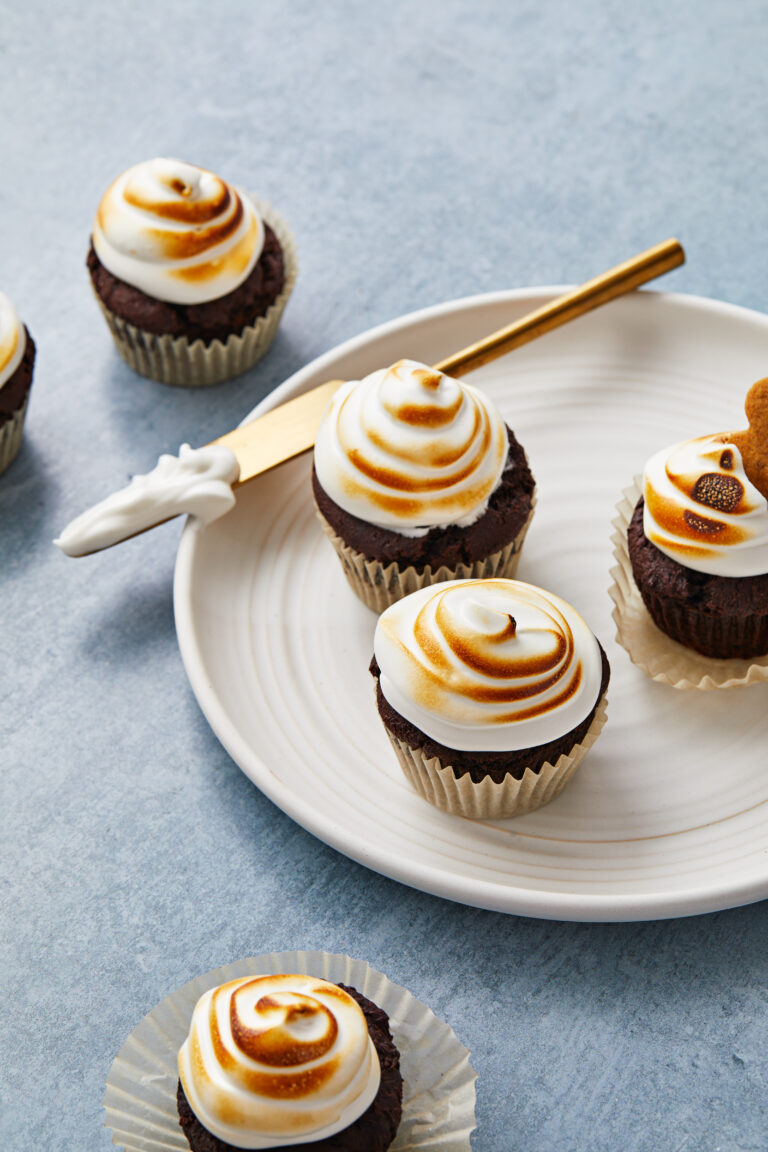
pixel 420 152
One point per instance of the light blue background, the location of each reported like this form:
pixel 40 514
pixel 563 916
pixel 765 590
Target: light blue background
pixel 420 152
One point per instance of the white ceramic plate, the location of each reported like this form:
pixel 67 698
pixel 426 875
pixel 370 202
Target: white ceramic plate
pixel 668 816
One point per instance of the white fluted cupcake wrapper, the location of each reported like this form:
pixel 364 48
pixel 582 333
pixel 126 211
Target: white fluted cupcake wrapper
pixel 659 656
pixel 438 1080
pixel 176 360
pixel 379 585
pixel 10 435
pixel 487 800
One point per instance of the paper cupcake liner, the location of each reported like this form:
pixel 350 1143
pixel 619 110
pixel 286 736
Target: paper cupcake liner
pixel 730 635
pixel 379 585
pixel 176 360
pixel 659 656
pixel 438 1080
pixel 11 434
pixel 487 800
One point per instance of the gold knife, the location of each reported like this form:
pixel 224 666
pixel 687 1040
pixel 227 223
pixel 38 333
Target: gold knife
pixel 182 484
pixel 290 429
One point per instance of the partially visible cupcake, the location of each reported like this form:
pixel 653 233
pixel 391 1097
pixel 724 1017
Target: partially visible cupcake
pixel 192 273
pixel 289 1062
pixel 698 539
pixel 491 693
pixel 17 361
pixel 256 1010
pixel 418 480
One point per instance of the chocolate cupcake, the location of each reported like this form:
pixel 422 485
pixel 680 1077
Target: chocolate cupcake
pixel 491 693
pixel 17 361
pixel 281 1047
pixel 418 480
pixel 288 1061
pixel 697 540
pixel 191 273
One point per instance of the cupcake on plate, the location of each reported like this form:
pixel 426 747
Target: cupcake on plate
pixel 17 361
pixel 292 1050
pixel 696 545
pixel 417 480
pixel 491 693
pixel 191 273
pixel 288 1061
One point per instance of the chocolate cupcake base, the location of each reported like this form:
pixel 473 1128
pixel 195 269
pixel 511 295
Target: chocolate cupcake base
pixel 652 648
pixel 374 1131
pixel 719 616
pixel 14 399
pixel 382 566
pixel 490 785
pixel 378 585
pixel 221 340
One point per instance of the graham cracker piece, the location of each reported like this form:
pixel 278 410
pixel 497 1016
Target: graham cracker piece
pixel 753 441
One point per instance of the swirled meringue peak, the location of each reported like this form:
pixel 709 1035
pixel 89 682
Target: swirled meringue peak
pixel 13 339
pixel 702 510
pixel 408 449
pixel 275 1060
pixel 177 232
pixel 488 665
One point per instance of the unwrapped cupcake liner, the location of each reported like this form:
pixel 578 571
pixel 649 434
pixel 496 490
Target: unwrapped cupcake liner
pixel 176 360
pixel 438 1080
pixel 11 431
pixel 379 585
pixel 659 656
pixel 487 800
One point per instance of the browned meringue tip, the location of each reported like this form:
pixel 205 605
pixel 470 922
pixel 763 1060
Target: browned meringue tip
pixel 178 361
pixel 658 655
pixel 487 800
pixel 379 585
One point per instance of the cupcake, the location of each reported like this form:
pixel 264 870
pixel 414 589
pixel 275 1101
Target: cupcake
pixel 292 1054
pixel 491 693
pixel 17 361
pixel 192 274
pixel 418 480
pixel 288 1061
pixel 697 539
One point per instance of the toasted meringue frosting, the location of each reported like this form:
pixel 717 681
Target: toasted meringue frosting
pixel 13 339
pixel 703 511
pixel 408 449
pixel 177 232
pixel 275 1060
pixel 488 665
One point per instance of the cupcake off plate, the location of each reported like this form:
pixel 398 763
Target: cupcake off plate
pixel 668 815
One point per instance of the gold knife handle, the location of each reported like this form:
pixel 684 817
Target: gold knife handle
pixel 615 282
